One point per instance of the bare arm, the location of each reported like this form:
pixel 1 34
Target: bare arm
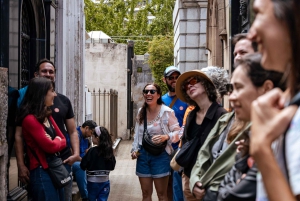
pixel 23 171
pixel 71 128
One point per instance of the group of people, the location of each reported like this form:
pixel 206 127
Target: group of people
pixel 46 130
pixel 247 153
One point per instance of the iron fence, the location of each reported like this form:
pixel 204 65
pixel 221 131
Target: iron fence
pixel 105 110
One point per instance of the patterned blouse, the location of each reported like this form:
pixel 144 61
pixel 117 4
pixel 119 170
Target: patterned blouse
pixel 164 124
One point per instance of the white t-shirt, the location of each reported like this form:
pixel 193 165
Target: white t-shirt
pixel 292 154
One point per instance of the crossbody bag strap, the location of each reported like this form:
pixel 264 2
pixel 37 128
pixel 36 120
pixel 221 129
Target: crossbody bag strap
pixel 145 122
pixel 173 101
pixel 34 154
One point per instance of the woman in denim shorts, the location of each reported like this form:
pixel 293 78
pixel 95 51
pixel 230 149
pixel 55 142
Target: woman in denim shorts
pixel 162 125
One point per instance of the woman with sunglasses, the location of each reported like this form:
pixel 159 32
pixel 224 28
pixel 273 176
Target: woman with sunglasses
pixel 196 88
pixel 162 126
pixel 275 128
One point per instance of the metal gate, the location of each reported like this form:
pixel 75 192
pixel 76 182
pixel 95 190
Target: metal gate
pixel 105 110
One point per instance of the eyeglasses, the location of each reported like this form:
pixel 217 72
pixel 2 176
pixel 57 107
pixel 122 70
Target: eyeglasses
pixel 173 77
pixel 146 91
pixel 192 81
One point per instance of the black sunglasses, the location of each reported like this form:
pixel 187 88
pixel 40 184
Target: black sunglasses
pixel 146 91
pixel 173 77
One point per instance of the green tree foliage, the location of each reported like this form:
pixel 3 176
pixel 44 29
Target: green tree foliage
pixel 120 20
pixel 161 50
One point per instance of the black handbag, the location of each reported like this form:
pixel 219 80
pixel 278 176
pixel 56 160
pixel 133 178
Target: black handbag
pixel 148 145
pixel 58 173
pixel 187 154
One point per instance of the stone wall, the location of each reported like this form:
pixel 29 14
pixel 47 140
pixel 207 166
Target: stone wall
pixel 106 68
pixel 3 141
pixel 189 19
pixel 141 75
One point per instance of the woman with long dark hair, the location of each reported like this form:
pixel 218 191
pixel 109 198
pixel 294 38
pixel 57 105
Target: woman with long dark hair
pixel 163 128
pixel 249 81
pixel 98 162
pixel 275 128
pixel 42 136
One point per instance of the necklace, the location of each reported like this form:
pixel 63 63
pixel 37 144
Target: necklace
pixel 46 123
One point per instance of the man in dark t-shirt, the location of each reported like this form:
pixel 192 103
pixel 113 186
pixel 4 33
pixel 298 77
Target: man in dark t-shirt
pixel 62 113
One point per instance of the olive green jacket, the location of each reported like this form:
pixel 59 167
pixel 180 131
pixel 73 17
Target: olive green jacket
pixel 210 173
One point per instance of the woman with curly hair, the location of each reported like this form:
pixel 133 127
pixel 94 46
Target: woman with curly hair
pixel 197 89
pixel 163 127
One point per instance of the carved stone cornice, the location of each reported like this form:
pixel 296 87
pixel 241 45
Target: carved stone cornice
pixel 194 3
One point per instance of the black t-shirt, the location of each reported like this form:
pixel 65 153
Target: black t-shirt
pixel 62 110
pixel 194 129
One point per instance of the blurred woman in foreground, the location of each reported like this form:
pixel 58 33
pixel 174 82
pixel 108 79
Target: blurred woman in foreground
pixel 276 29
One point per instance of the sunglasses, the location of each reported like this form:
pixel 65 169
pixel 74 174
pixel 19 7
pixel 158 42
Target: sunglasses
pixel 192 81
pixel 173 77
pixel 146 91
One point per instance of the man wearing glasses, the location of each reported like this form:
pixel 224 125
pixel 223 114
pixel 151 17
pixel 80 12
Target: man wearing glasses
pixel 171 74
pixel 84 132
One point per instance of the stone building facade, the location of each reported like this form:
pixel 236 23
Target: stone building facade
pixel 32 30
pixel 189 19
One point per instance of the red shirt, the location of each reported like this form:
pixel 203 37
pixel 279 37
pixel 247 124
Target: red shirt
pixel 35 137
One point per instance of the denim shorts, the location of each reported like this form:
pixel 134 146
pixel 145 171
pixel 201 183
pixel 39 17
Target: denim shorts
pixel 148 165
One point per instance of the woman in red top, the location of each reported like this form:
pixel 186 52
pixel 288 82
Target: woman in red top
pixel 42 136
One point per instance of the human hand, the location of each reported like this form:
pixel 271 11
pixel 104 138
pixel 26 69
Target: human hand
pixel 269 120
pixel 58 138
pixel 198 191
pixel 48 136
pixel 135 155
pixel 242 146
pixel 23 174
pixel 160 138
pixel 242 177
pixel 72 159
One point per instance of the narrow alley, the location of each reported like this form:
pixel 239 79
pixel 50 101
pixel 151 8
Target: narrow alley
pixel 124 183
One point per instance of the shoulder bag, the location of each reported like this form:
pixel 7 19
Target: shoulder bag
pixel 58 173
pixel 148 145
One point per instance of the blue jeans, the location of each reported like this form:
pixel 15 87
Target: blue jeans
pixel 177 187
pixel 68 189
pixel 80 176
pixel 98 191
pixel 42 187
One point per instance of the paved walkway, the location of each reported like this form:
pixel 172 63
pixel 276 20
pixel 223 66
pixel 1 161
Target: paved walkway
pixel 124 183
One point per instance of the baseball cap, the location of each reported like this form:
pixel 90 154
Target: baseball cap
pixel 171 69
